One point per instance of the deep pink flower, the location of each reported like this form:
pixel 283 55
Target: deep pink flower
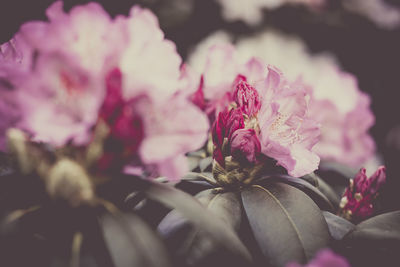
pixel 358 200
pixel 324 258
pixel 277 111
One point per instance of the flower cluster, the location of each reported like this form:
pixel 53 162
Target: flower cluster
pixel 358 200
pixel 336 102
pixel 258 112
pixel 95 70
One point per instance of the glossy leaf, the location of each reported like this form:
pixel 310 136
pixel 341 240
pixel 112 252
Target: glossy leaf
pixel 286 223
pixel 320 199
pixel 192 245
pixel 374 242
pixel 132 243
pixel 197 214
pixel 384 227
pixel 338 226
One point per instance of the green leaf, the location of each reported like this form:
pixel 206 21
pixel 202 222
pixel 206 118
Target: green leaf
pixel 287 224
pixel 384 227
pixel 374 242
pixel 132 243
pixel 195 212
pixel 338 226
pixel 193 245
pixel 325 188
pixel 320 199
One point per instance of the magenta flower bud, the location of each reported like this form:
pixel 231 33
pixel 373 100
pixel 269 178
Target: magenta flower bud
pixel 246 97
pixel 245 145
pixel 227 123
pixel 218 129
pixel 358 200
pixel 377 180
pixel 234 121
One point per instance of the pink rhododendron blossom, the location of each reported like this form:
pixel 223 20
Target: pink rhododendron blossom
pixel 336 101
pixel 94 69
pixel 273 109
pixel 324 258
pixel 358 200
pixel 11 70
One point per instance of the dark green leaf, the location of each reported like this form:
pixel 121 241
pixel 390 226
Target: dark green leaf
pixel 132 243
pixel 325 188
pixel 286 223
pixel 192 245
pixel 384 227
pixel 374 242
pixel 197 214
pixel 320 199
pixel 338 226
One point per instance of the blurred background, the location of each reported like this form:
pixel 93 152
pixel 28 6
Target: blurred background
pixel 363 35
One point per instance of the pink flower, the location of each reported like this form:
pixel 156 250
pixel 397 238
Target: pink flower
pixel 324 258
pixel 336 100
pixel 276 112
pixel 357 203
pixel 344 132
pixel 11 70
pixel 119 71
pixel 287 133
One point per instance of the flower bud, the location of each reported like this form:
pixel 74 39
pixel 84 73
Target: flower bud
pixel 245 145
pixel 247 98
pixel 358 200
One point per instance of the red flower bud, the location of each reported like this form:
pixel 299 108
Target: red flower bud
pixel 245 145
pixel 358 200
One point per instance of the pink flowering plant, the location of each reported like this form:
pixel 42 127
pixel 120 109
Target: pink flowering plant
pixel 257 115
pixel 96 76
pixel 101 119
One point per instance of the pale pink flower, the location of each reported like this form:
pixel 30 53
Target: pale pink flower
pixel 275 109
pixel 120 71
pixel 336 100
pixel 287 133
pixel 11 70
